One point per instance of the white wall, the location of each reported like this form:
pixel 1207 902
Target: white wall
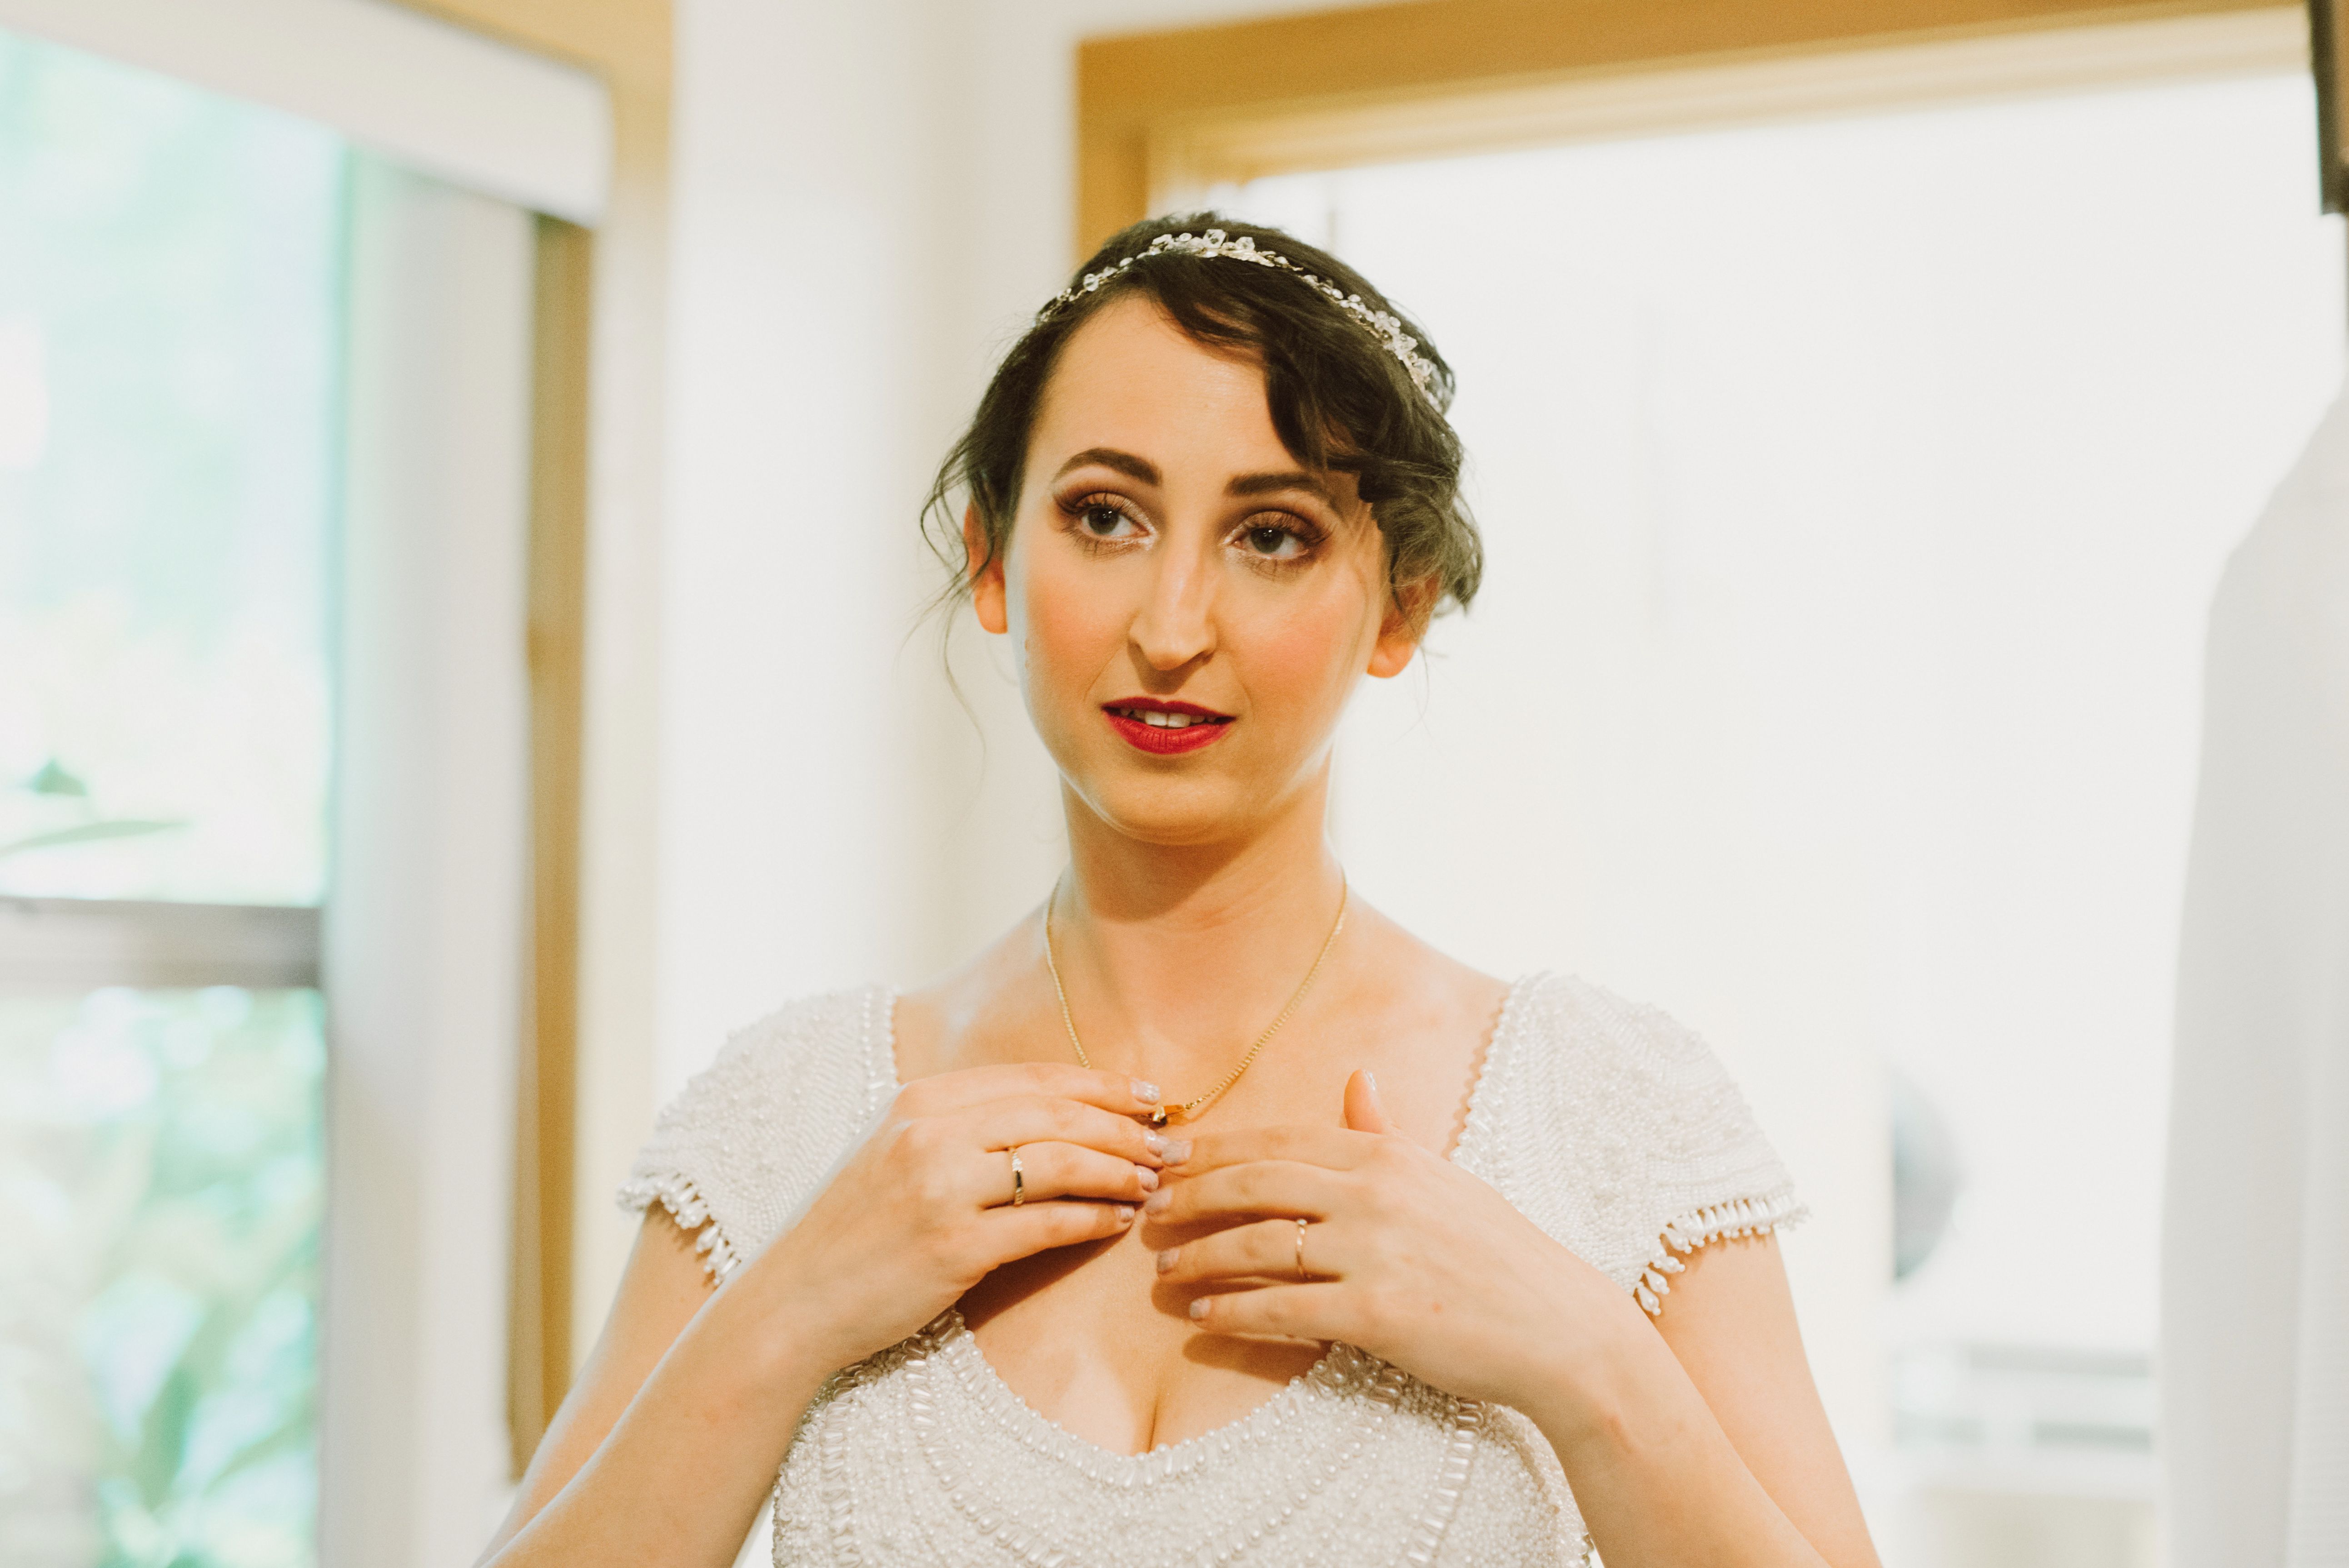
pixel 805 281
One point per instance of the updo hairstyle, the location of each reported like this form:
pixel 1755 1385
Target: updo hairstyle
pixel 1340 401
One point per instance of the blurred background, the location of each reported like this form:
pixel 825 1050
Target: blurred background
pixel 461 654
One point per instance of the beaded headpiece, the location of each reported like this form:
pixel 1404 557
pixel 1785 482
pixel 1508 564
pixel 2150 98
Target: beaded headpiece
pixel 1386 328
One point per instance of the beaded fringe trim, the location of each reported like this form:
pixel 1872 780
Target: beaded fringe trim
pixel 686 1205
pixel 1739 1217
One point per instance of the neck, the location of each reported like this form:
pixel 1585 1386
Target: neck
pixel 1176 956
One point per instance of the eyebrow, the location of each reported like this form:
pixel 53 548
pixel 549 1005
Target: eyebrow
pixel 1144 469
pixel 1292 480
pixel 1126 463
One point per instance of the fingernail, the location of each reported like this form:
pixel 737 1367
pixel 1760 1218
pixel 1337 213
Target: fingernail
pixel 1147 1177
pixel 1125 1214
pixel 1371 1078
pixel 1145 1091
pixel 1157 1201
pixel 1198 1309
pixel 1178 1150
pixel 1166 1259
pixel 1156 1142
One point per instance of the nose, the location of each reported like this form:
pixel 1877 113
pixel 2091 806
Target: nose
pixel 1176 626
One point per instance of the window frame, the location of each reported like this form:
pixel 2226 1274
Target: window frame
pixel 1161 115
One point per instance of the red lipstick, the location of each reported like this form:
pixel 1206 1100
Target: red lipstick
pixel 1192 726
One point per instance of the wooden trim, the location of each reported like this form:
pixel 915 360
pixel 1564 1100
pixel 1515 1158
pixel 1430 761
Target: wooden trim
pixel 546 1097
pixel 2329 56
pixel 1132 90
pixel 1190 159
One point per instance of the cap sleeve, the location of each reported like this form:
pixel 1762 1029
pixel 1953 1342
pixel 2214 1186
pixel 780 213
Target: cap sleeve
pixel 1615 1128
pixel 751 1138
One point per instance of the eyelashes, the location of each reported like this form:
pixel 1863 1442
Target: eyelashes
pixel 1270 542
pixel 1098 521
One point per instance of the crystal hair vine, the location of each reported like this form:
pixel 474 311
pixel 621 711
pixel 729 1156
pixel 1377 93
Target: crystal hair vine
pixel 1386 328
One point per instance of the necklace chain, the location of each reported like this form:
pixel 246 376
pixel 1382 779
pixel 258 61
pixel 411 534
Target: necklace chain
pixel 1189 1108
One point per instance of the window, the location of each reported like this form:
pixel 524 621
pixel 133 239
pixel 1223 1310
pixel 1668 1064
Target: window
pixel 170 321
pixel 1855 492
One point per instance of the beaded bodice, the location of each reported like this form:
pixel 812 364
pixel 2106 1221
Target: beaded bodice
pixel 1609 1125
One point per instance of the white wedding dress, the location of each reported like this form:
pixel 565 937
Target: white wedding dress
pixel 1609 1125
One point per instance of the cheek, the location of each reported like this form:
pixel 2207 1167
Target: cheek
pixel 1310 655
pixel 1067 628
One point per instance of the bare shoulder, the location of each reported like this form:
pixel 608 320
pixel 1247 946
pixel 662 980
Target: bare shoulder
pixel 1411 978
pixel 1417 989
pixel 1436 1016
pixel 949 1020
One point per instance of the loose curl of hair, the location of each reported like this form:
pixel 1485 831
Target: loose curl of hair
pixel 1339 403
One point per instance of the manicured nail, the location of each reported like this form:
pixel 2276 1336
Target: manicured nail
pixel 1198 1308
pixel 1156 1142
pixel 1145 1091
pixel 1147 1177
pixel 1157 1201
pixel 1371 1078
pixel 1178 1150
pixel 1125 1214
pixel 1166 1259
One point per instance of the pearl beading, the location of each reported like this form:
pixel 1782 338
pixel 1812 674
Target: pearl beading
pixel 690 1210
pixel 964 1422
pixel 1609 1126
pixel 1743 1217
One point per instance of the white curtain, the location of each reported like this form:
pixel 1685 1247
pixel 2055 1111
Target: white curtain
pixel 2255 1274
pixel 424 931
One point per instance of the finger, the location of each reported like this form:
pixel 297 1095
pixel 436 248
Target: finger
pixel 1365 1112
pixel 1268 1187
pixel 1040 1227
pixel 946 1093
pixel 1266 1250
pixel 1049 1170
pixel 1278 1311
pixel 1334 1148
pixel 1042 1119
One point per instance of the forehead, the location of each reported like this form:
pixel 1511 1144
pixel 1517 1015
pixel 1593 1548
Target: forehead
pixel 1130 378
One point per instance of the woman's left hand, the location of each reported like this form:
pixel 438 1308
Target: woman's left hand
pixel 1405 1255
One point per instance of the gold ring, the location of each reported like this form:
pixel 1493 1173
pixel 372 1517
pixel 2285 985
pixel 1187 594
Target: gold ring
pixel 1018 1179
pixel 1301 1224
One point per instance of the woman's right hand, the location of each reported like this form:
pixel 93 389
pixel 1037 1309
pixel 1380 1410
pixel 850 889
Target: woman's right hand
pixel 922 1212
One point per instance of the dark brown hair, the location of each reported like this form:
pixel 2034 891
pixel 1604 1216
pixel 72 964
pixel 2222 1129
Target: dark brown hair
pixel 1339 402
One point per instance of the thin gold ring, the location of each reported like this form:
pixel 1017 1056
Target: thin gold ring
pixel 1018 1179
pixel 1301 1224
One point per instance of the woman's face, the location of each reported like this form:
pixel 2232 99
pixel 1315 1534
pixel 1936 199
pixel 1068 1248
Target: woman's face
pixel 1190 609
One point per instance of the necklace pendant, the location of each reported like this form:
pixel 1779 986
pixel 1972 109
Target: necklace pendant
pixel 1158 1116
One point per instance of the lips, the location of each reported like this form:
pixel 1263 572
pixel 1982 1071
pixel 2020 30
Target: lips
pixel 1164 728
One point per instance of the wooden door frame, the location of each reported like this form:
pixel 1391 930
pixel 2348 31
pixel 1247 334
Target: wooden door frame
pixel 1138 94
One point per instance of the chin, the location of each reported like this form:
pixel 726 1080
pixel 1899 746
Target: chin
pixel 1165 811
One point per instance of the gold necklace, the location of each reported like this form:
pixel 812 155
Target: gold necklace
pixel 1190 1109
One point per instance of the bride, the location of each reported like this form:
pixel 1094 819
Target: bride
pixel 1209 1215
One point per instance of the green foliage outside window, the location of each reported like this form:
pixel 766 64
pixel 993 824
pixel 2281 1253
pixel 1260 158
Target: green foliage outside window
pixel 160 1189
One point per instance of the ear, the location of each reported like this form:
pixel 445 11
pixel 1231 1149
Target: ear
pixel 985 570
pixel 1409 609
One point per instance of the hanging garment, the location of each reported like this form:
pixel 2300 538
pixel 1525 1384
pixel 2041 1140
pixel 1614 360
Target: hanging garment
pixel 2254 1361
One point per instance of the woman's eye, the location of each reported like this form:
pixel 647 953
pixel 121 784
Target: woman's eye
pixel 1274 543
pixel 1100 520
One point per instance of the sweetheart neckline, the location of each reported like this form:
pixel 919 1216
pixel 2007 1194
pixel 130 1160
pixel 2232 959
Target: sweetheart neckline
pixel 956 1335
